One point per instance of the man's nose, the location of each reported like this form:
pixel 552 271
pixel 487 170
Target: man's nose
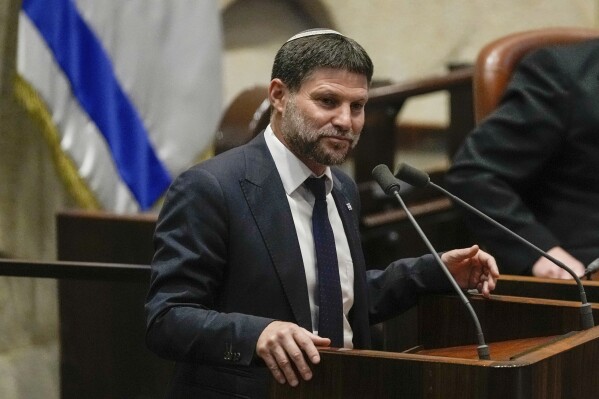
pixel 342 119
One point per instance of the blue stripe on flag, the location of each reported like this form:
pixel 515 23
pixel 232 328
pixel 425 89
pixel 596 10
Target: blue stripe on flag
pixel 94 84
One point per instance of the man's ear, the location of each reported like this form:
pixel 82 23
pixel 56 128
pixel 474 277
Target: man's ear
pixel 277 94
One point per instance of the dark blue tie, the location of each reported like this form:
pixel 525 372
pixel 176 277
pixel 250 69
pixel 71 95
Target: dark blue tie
pixel 330 316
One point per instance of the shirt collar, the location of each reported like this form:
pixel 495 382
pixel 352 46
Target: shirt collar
pixel 292 170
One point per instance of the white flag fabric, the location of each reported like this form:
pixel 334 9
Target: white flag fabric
pixel 128 92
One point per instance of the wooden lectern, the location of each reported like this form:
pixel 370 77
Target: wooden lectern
pixel 536 352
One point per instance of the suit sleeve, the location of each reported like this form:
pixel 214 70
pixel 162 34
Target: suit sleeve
pixel 503 158
pixel 396 288
pixel 188 267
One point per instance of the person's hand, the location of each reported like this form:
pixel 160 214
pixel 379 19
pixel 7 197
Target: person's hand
pixel 282 346
pixel 546 268
pixel 472 268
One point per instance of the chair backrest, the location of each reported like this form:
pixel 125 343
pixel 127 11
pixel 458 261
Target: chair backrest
pixel 246 116
pixel 498 59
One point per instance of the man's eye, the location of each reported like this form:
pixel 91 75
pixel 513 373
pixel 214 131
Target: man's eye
pixel 328 102
pixel 357 106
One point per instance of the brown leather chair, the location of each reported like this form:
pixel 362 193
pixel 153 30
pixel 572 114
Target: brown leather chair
pixel 246 116
pixel 498 59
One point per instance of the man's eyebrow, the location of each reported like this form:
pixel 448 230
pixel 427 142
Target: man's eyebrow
pixel 337 93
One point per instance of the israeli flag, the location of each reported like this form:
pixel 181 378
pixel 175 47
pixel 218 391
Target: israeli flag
pixel 128 92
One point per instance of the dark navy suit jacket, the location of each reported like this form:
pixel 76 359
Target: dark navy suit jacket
pixel 228 262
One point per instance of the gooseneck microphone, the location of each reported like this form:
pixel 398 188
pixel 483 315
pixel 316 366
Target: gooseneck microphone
pixel 592 268
pixel 418 178
pixel 390 186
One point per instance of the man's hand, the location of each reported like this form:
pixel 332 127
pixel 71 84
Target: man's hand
pixel 282 346
pixel 546 268
pixel 472 268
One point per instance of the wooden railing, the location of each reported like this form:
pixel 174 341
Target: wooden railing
pixel 75 270
pixel 102 328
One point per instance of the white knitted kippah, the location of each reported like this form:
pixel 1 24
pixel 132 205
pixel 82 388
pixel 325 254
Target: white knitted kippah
pixel 313 32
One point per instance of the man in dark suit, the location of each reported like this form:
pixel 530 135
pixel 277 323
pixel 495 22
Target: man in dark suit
pixel 533 164
pixel 236 291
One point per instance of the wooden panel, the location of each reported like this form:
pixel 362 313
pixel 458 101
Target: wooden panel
pixel 105 237
pixel 501 318
pixel 537 287
pixel 538 367
pixel 102 323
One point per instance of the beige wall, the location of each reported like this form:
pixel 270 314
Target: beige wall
pixel 407 39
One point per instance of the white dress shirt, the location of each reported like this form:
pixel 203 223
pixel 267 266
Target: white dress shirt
pixel 293 173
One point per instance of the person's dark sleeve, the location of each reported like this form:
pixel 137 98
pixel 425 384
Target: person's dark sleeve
pixel 396 288
pixel 504 156
pixel 189 264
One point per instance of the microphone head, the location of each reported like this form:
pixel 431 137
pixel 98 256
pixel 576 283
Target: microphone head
pixel 413 176
pixel 592 267
pixel 385 179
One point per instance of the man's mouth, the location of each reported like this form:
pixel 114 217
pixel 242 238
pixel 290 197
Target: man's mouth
pixel 339 138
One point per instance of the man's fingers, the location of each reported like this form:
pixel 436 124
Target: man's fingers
pixel 300 364
pixel 459 255
pixel 485 289
pixel 285 365
pixel 489 271
pixel 491 280
pixel 272 365
pixel 309 346
pixel 283 347
pixel 465 253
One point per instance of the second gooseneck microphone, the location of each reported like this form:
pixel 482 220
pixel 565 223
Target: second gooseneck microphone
pixel 418 178
pixel 390 186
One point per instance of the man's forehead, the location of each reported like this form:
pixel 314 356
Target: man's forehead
pixel 335 77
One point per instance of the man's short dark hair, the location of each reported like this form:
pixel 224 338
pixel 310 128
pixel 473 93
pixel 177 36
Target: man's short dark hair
pixel 298 58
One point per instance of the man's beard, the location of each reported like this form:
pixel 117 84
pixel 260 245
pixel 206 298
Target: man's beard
pixel 304 139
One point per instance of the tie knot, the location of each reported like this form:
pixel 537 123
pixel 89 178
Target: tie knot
pixel 317 187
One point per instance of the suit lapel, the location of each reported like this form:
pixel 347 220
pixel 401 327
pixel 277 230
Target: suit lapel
pixel 358 315
pixel 346 212
pixel 266 199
